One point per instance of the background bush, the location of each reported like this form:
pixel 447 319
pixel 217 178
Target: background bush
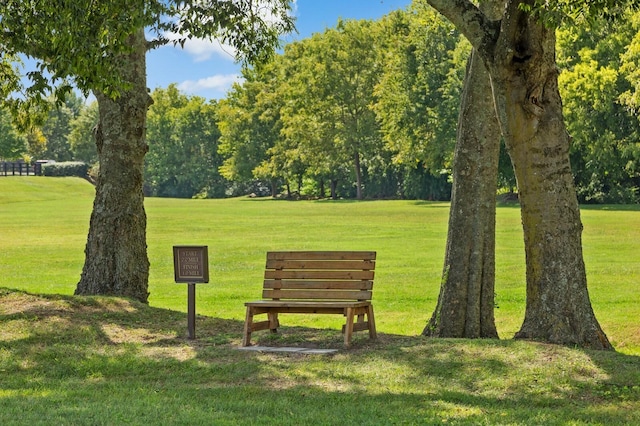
pixel 66 168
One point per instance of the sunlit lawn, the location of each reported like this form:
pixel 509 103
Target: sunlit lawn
pixel 88 361
pixel 44 222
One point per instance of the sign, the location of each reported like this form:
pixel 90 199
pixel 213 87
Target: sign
pixel 191 264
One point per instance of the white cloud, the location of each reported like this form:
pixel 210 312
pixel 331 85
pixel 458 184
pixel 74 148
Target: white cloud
pixel 220 83
pixel 203 50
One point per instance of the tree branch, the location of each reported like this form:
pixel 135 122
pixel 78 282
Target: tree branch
pixel 481 32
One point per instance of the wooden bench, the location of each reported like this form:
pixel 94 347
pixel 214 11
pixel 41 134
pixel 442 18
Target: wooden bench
pixel 316 282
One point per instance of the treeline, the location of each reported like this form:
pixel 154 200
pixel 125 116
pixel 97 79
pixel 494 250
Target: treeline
pixel 367 109
pixel 65 135
pixel 363 110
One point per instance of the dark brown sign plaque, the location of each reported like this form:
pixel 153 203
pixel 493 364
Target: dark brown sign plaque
pixel 191 264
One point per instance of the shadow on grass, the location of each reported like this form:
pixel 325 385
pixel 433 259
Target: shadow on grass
pixel 98 360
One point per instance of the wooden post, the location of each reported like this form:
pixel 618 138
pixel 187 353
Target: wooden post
pixel 191 310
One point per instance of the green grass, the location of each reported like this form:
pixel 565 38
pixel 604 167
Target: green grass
pixel 72 360
pixel 88 361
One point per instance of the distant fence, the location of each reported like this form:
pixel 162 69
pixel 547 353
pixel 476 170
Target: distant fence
pixel 20 169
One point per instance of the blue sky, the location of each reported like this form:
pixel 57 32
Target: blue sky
pixel 205 69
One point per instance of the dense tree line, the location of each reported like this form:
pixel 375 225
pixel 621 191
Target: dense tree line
pixel 357 111
pixel 363 110
pixel 183 159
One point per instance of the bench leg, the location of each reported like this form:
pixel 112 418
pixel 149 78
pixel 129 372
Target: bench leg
pixel 273 321
pixel 348 332
pixel 361 324
pixel 372 323
pixel 248 325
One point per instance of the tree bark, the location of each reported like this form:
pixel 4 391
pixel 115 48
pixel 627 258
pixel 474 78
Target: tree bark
pixel 520 56
pixel 358 170
pixel 116 261
pixel 525 81
pixel 466 302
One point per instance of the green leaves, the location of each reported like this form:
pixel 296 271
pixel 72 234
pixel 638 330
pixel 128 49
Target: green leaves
pixel 69 43
pixel 183 142
pixel 419 91
pixel 12 144
pixel 597 86
pixel 251 27
pixel 557 12
pixel 82 43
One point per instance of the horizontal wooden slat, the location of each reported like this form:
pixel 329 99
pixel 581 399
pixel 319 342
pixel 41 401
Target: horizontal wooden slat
pixel 319 285
pixel 360 265
pixel 262 325
pixel 316 294
pixel 321 255
pixel 318 275
pixel 311 309
pixel 360 306
pixel 358 326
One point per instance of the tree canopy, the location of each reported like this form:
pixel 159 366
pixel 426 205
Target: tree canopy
pixel 76 44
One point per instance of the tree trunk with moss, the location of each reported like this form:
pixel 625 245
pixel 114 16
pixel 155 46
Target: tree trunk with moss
pixel 526 89
pixel 466 302
pixel 116 261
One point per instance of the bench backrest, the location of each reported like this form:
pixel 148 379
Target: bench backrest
pixel 330 275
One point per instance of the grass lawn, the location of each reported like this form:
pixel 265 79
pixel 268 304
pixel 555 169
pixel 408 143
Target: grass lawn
pixel 71 360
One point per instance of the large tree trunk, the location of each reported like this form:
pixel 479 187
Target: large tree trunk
pixel 520 56
pixel 116 261
pixel 525 84
pixel 466 301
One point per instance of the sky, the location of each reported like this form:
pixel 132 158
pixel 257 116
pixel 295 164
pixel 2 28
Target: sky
pixel 205 69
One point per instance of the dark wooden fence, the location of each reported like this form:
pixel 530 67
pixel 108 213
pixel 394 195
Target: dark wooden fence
pixel 20 169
